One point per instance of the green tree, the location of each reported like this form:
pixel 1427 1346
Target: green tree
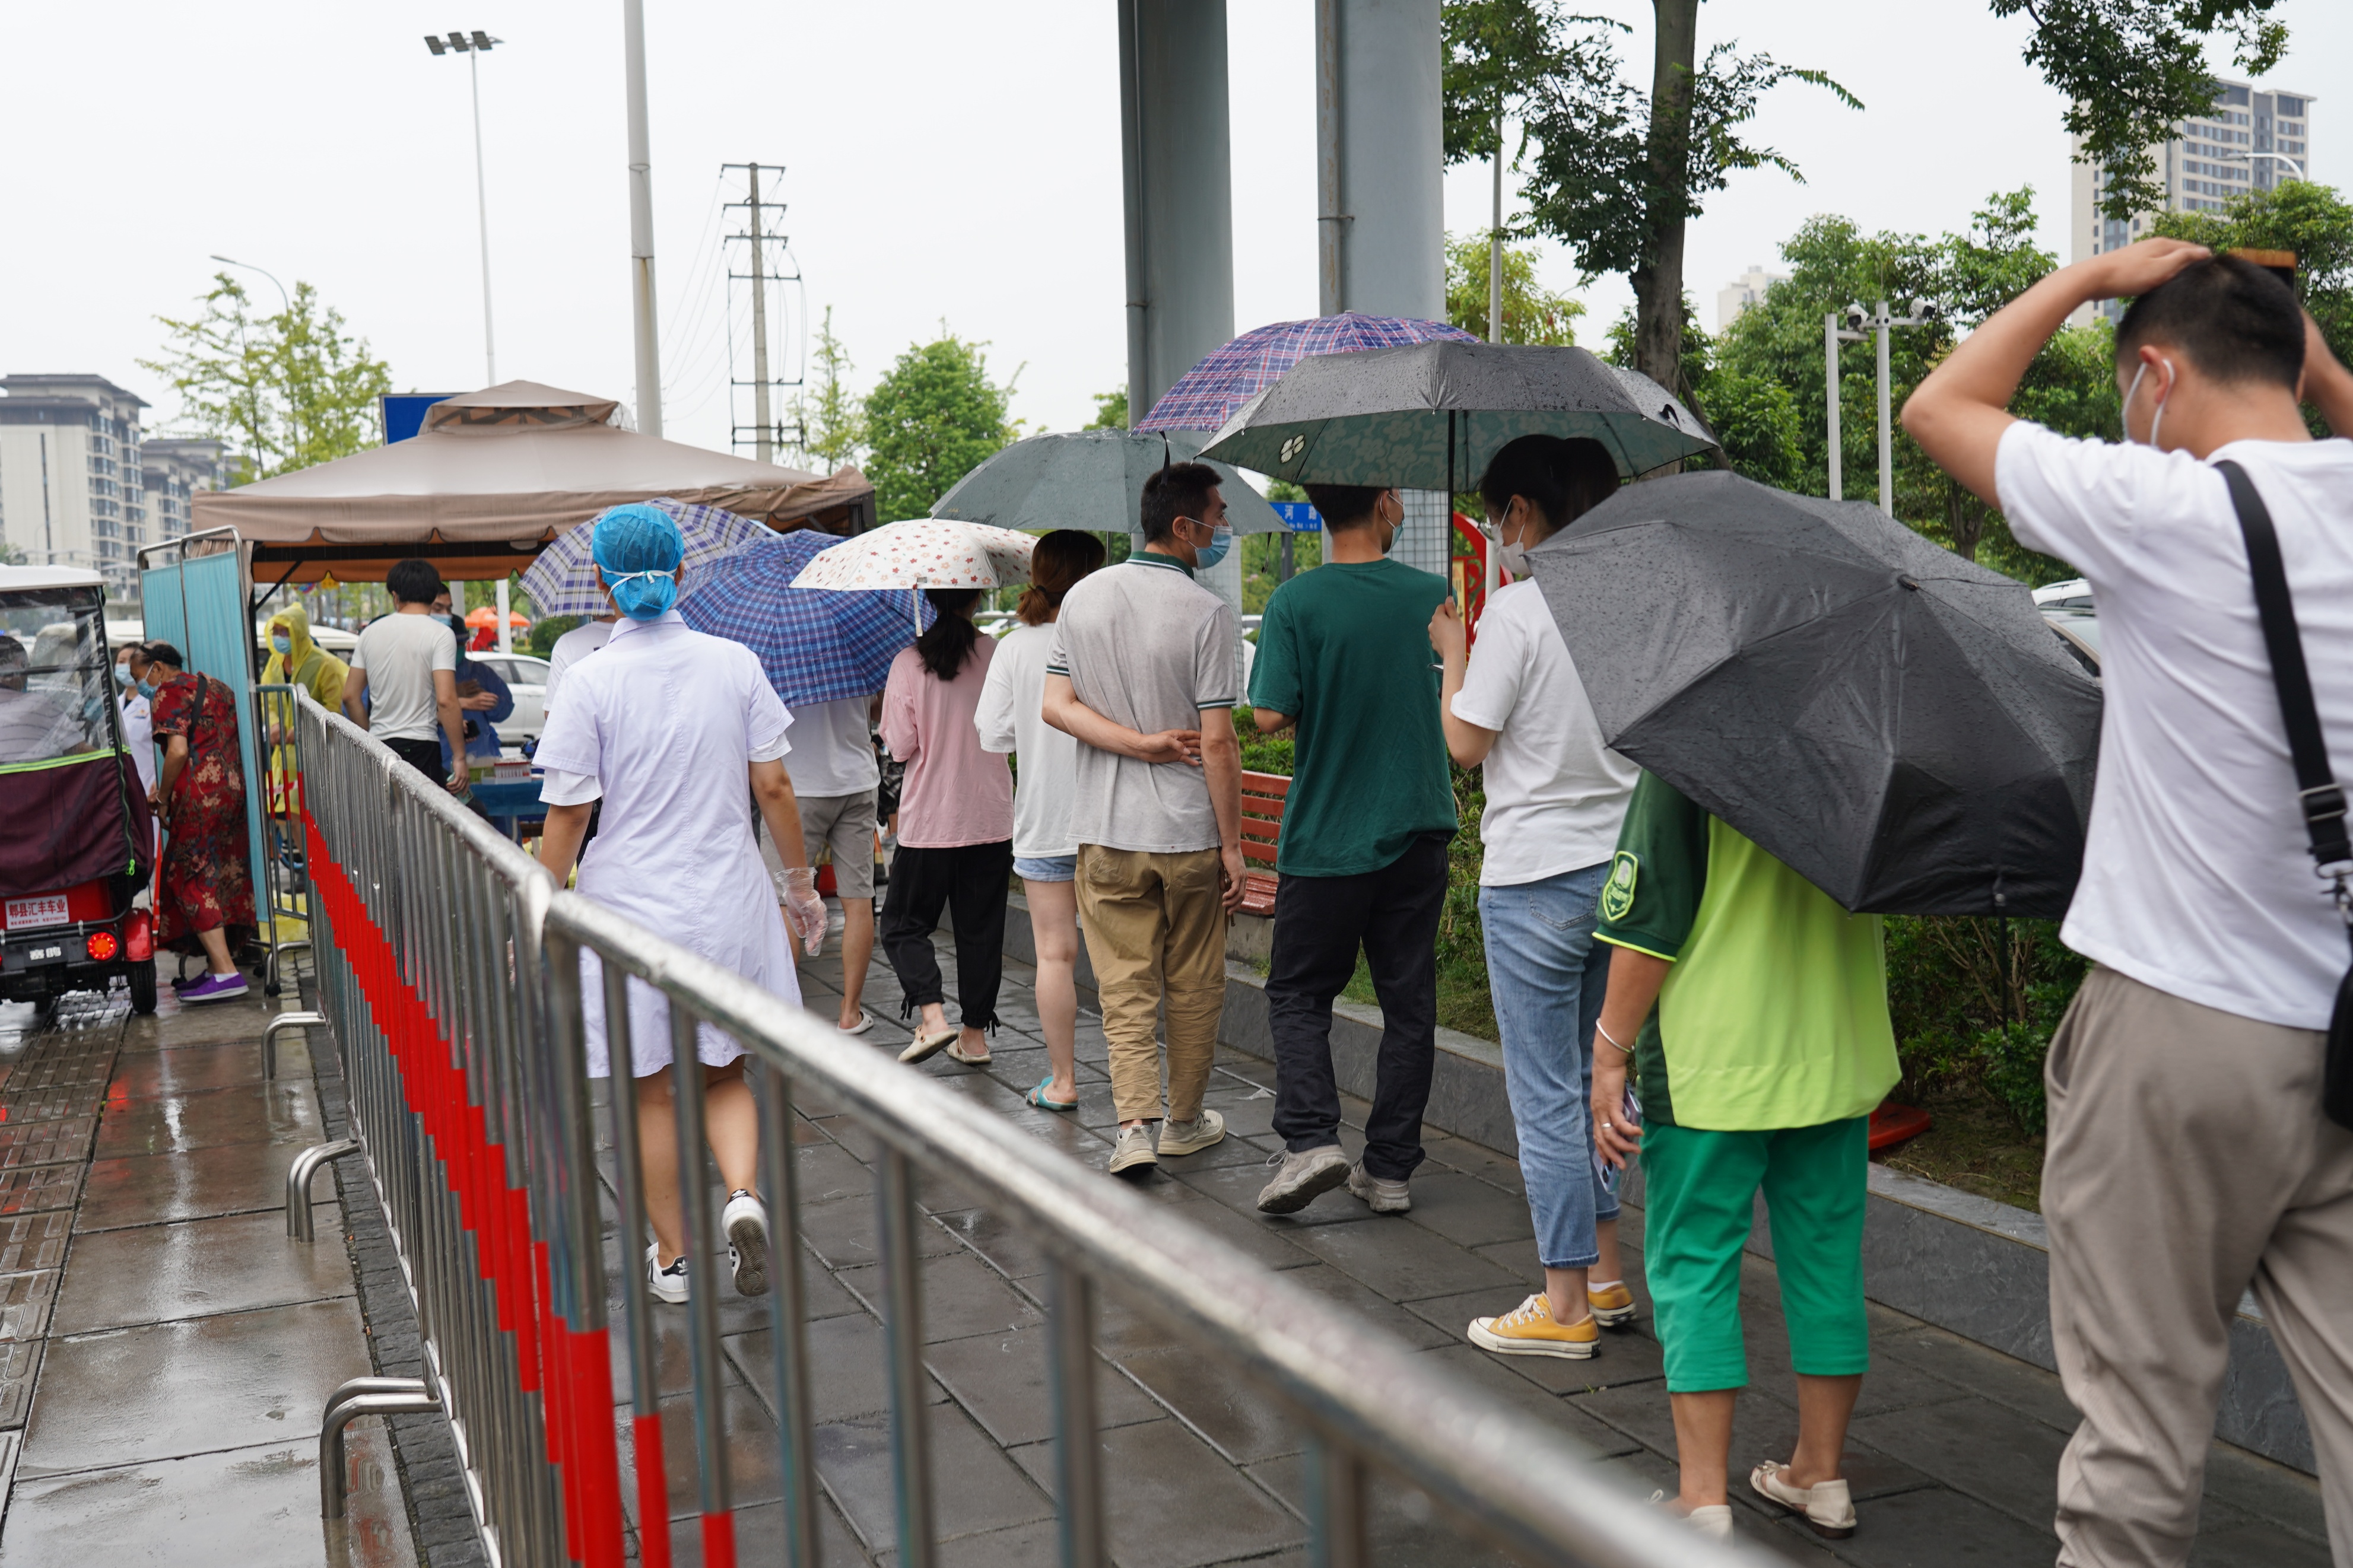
pixel 2130 68
pixel 932 418
pixel 285 391
pixel 1531 314
pixel 831 423
pixel 1110 410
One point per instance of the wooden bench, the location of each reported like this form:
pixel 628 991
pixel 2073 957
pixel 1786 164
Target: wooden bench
pixel 1263 797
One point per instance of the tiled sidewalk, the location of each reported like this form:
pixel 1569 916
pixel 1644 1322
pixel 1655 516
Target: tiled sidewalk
pixel 167 1351
pixel 1954 1451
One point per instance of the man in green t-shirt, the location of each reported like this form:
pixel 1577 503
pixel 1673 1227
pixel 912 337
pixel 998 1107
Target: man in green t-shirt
pixel 1345 654
pixel 1760 1064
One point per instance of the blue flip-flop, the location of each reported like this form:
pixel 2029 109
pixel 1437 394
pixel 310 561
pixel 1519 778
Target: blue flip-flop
pixel 1037 1096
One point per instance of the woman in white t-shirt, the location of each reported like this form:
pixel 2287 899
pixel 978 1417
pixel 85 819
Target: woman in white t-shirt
pixel 1045 855
pixel 1555 797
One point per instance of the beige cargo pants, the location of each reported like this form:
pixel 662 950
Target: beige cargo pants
pixel 1156 931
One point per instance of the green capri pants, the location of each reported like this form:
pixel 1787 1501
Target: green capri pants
pixel 1700 1190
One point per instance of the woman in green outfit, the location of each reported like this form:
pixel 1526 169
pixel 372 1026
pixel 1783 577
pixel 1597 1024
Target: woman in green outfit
pixel 1752 1011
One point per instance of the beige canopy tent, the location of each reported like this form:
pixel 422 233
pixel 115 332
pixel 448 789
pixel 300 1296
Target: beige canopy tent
pixel 491 478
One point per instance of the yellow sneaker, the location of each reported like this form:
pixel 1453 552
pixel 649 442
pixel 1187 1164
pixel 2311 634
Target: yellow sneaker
pixel 1528 1330
pixel 1613 1308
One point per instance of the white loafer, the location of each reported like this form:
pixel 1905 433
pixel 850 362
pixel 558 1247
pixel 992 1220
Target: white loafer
pixel 1827 1507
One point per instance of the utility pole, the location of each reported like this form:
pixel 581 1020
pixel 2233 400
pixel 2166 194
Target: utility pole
pixel 641 219
pixel 763 424
pixel 1924 313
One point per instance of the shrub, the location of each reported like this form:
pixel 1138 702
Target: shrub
pixel 545 630
pixel 1975 1003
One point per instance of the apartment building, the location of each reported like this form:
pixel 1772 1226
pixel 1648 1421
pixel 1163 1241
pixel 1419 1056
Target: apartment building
pixel 2251 139
pixel 72 488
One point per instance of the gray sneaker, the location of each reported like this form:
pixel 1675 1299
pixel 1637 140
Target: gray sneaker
pixel 1192 1137
pixel 1304 1177
pixel 1382 1194
pixel 1133 1152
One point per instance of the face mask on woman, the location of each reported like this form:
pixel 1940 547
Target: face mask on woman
pixel 283 643
pixel 123 673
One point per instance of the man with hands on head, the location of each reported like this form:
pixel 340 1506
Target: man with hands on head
pixel 2189 1157
pixel 1142 674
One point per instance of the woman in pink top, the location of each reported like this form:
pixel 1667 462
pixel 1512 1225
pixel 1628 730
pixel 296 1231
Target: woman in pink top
pixel 956 831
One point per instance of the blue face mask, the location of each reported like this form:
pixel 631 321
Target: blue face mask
pixel 147 691
pixel 1222 539
pixel 123 675
pixel 283 645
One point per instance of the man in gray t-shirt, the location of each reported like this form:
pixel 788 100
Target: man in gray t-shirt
pixel 1142 674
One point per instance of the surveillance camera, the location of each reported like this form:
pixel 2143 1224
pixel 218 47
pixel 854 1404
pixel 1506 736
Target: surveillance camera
pixel 1855 317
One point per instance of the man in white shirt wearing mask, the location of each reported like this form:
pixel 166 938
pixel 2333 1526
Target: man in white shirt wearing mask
pixel 2189 1156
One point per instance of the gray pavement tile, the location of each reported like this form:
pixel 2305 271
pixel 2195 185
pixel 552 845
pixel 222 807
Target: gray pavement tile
pixel 673 1354
pixel 1626 1355
pixel 2025 1388
pixel 31 1241
pixel 1121 1331
pixel 1217 1403
pixel 751 1453
pixel 246 1508
pixel 845 1233
pixel 1169 1502
pixel 1932 1527
pixel 1473 1160
pixel 1401 1260
pixel 1977 1447
pixel 827 1172
pixel 221 1179
pixel 233 1264
pixel 1366 1306
pixel 1403 1526
pixel 168 1390
pixel 760 1537
pixel 1249 1108
pixel 1012 1254
pixel 1476 1367
pixel 173 1025
pixel 192 1069
pixel 976 1487
pixel 1001 1379
pixel 1467 1210
pixel 848 1375
pixel 1276 1247
pixel 2266 1489
pixel 962 1296
pixel 283 1112
pixel 1017 1546
pixel 1763 1427
pixel 2256 1545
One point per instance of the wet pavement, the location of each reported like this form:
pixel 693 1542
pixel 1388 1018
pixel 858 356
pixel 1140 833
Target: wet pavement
pixel 165 1352
pixel 1953 1453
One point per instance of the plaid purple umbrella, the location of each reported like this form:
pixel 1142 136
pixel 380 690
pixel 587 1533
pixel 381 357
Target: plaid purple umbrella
pixel 816 646
pixel 563 581
pixel 1205 396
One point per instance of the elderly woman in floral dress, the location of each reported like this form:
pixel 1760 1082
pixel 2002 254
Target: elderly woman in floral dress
pixel 205 893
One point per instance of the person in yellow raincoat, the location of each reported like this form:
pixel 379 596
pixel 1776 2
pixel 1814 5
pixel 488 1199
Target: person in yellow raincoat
pixel 295 660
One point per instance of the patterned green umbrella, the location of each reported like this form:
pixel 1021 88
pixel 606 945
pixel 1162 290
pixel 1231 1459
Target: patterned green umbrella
pixel 1428 417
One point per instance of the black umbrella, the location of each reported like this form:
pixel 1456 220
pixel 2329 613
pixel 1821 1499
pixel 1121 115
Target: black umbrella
pixel 1895 723
pixel 1428 415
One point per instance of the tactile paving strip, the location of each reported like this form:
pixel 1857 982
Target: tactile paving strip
pixel 50 1104
pixel 34 1241
pixel 20 1364
pixel 25 1303
pixel 30 1189
pixel 46 1142
pixel 53 1069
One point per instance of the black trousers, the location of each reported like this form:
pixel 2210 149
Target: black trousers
pixel 424 756
pixel 1319 924
pixel 970 882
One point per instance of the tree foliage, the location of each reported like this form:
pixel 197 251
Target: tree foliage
pixel 1531 314
pixel 284 392
pixel 831 428
pixel 1110 410
pixel 2130 68
pixel 931 419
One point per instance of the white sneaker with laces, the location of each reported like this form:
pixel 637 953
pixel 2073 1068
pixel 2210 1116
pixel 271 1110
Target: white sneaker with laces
pixel 746 1223
pixel 665 1284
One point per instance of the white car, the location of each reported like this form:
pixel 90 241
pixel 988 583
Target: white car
pixel 526 677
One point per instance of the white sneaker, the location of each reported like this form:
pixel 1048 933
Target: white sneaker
pixel 1191 1137
pixel 746 1222
pixel 1827 1507
pixel 1381 1195
pixel 666 1284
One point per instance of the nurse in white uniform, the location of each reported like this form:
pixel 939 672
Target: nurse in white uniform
pixel 678 734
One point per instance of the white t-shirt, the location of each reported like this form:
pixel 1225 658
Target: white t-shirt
pixel 1011 718
pixel 570 650
pixel 139 737
pixel 400 654
pixel 1556 795
pixel 833 749
pixel 2197 875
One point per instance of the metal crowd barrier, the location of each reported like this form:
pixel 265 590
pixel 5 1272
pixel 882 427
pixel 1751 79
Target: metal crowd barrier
pixel 449 970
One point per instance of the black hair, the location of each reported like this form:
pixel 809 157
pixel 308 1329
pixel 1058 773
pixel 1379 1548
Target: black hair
pixel 163 653
pixel 1343 506
pixel 2236 321
pixel 949 640
pixel 1061 558
pixel 138 648
pixel 1563 480
pixel 1178 489
pixel 413 581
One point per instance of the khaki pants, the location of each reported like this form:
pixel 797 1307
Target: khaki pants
pixel 1155 929
pixel 2188 1158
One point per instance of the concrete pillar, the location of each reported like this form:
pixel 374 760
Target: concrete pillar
pixel 1177 145
pixel 1380 167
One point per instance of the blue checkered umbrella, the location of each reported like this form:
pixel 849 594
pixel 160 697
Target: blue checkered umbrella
pixel 816 646
pixel 563 581
pixel 1206 396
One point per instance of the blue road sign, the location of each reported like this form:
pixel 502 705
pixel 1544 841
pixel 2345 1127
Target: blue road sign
pixel 404 413
pixel 1298 516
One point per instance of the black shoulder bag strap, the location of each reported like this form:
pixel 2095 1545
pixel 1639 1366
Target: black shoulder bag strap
pixel 2317 791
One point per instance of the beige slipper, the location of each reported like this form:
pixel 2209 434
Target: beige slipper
pixel 1827 1507
pixel 957 1053
pixel 923 1046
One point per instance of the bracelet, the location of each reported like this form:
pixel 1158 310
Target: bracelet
pixel 1609 1038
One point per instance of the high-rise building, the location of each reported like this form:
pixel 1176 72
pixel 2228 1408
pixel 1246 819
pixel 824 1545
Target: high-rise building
pixel 2251 139
pixel 71 487
pixel 1742 292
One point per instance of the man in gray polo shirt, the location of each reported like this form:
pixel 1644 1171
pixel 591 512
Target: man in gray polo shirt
pixel 1142 674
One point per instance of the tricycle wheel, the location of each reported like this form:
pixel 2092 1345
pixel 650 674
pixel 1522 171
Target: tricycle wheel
pixel 142 987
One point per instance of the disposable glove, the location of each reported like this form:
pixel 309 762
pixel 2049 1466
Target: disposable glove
pixel 804 908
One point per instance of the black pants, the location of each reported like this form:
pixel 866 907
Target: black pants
pixel 970 881
pixel 1319 922
pixel 424 756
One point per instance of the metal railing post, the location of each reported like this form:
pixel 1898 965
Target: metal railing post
pixel 703 1276
pixel 1078 1464
pixel 1336 1506
pixel 788 1317
pixel 903 1332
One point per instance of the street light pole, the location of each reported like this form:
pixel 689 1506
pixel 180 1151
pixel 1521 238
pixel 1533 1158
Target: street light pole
pixel 293 411
pixel 641 219
pixel 473 47
pixel 1924 313
pixel 1833 335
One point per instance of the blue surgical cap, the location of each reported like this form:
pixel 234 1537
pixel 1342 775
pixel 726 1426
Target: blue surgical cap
pixel 639 548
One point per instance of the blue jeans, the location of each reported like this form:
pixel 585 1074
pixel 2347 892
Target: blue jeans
pixel 1548 974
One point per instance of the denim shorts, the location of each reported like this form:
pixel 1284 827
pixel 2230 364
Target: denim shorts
pixel 1046 867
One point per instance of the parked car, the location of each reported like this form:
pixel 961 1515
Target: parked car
pixel 526 677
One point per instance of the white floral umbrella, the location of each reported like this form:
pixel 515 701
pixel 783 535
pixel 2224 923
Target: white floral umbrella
pixel 923 552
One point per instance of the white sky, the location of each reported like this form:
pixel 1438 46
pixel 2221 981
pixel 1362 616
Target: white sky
pixel 946 160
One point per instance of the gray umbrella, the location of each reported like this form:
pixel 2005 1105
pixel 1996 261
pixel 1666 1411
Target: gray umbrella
pixel 1895 723
pixel 1089 479
pixel 1430 416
